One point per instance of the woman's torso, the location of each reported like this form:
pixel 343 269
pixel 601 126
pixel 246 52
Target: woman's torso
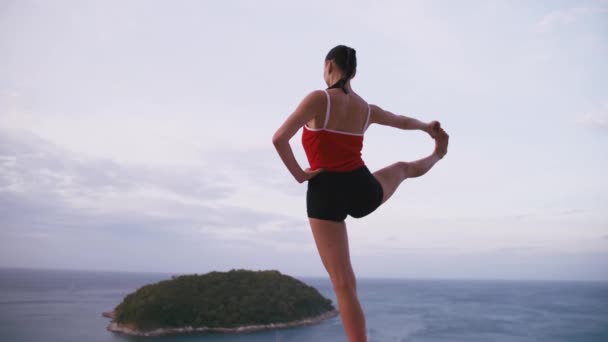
pixel 333 140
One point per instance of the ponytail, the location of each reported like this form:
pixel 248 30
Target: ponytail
pixel 346 59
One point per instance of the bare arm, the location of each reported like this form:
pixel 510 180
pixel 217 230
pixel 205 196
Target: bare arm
pixel 310 106
pixel 386 118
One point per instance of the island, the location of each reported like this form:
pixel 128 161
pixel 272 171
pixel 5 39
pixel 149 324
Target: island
pixel 231 302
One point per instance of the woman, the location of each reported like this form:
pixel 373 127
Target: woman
pixel 339 184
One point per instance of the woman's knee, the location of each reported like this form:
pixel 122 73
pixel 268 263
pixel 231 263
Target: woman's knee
pixel 344 282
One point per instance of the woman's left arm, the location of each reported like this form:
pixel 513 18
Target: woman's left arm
pixel 310 106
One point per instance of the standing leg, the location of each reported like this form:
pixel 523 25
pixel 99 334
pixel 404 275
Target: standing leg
pixel 332 242
pixel 391 176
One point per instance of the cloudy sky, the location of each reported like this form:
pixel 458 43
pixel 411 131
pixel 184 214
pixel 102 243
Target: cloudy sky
pixel 136 135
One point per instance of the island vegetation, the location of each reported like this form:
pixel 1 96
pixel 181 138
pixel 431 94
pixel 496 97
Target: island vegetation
pixel 234 301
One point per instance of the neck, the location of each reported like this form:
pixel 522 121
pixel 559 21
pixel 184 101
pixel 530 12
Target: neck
pixel 346 85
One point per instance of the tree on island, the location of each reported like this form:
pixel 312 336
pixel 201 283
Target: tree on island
pixel 221 300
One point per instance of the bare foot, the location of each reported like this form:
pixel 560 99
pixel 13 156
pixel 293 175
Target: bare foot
pixel 441 143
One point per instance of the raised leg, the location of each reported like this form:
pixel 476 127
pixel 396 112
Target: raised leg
pixel 332 242
pixel 391 176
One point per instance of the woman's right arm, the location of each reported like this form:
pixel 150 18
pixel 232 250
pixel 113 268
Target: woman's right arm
pixel 312 104
pixel 386 118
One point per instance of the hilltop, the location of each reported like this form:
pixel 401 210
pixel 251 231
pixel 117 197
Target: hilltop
pixel 234 301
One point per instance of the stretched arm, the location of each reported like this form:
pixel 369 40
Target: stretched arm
pixel 310 106
pixel 386 118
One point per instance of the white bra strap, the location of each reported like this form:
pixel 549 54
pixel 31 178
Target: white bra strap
pixel 327 111
pixel 369 112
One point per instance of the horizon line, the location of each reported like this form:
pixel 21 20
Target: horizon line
pixel 394 278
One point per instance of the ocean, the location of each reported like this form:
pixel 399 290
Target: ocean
pixel 66 306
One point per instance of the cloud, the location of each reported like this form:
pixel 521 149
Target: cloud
pixel 46 191
pixel 571 212
pixel 517 249
pixel 260 167
pixel 551 21
pixel 35 164
pixel 595 118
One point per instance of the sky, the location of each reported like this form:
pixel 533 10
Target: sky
pixel 136 135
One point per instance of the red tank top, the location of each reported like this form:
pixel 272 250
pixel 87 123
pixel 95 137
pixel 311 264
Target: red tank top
pixel 333 150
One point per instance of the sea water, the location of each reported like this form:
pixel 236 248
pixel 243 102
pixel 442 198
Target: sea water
pixel 66 306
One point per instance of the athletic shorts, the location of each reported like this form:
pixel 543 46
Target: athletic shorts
pixel 334 195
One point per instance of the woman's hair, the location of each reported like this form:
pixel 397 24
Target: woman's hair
pixel 346 59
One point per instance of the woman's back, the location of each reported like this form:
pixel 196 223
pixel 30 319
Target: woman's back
pixel 333 139
pixel 348 113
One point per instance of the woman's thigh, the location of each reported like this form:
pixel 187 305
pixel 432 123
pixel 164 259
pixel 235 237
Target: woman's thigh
pixel 391 177
pixel 331 239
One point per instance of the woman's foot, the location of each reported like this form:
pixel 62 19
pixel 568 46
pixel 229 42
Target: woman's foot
pixel 441 143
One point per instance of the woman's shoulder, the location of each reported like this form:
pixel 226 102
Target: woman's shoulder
pixel 314 102
pixel 315 97
pixel 316 94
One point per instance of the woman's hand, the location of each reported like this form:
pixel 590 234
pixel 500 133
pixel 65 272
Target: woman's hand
pixel 432 128
pixel 308 174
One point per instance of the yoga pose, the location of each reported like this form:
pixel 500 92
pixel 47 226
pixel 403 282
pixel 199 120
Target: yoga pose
pixel 339 184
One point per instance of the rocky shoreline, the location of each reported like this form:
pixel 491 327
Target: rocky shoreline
pixel 130 330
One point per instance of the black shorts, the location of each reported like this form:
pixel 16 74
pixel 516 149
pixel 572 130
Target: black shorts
pixel 334 195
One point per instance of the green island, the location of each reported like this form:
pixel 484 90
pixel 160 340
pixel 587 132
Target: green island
pixel 232 302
